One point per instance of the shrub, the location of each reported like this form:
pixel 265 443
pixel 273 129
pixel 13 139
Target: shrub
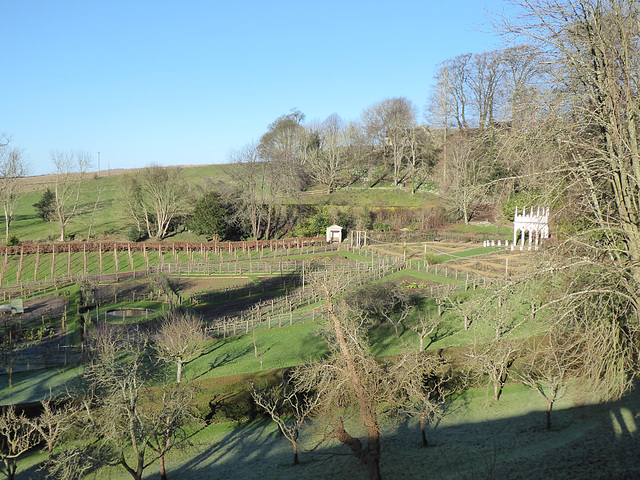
pixel 135 235
pixel 381 227
pixel 13 241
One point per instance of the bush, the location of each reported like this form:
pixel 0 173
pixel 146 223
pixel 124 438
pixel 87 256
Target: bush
pixel 13 241
pixel 135 235
pixel 381 227
pixel 312 226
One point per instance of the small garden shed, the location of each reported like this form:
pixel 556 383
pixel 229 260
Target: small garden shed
pixel 334 234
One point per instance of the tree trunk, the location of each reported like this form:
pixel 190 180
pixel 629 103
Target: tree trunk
pixel 425 443
pixel 7 221
pixel 163 470
pixel 549 407
pixel 179 372
pixel 295 452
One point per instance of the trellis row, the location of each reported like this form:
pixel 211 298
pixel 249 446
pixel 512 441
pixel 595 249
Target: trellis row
pixel 189 247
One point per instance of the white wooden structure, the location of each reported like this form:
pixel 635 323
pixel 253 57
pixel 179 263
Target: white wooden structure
pixel 534 225
pixel 334 234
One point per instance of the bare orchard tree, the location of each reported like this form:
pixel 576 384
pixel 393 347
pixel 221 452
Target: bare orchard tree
pixel 70 168
pixel 13 166
pixel 549 363
pixel 180 340
pixel 16 438
pixel 289 407
pixel 127 422
pixel 54 422
pixel 350 384
pixel 424 383
pixel 494 359
pixel 497 316
pixel 171 417
pixel 429 320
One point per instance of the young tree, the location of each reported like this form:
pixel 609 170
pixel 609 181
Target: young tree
pixel 289 407
pixel 180 340
pixel 53 423
pixel 13 166
pixel 549 363
pixel 45 206
pixel 424 382
pixel 70 168
pixel 16 438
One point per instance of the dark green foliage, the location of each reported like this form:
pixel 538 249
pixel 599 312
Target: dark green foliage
pixel 135 235
pixel 382 227
pixel 210 217
pixel 46 206
pixel 13 241
pixel 312 226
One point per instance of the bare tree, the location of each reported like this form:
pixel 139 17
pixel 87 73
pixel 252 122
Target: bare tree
pixel 13 166
pixel 423 387
pixel 180 340
pixel 332 156
pixel 172 416
pixel 16 438
pixel 486 72
pixel 465 176
pixel 593 64
pixel 289 407
pixel 350 383
pixel 494 359
pixel 70 169
pixel 53 422
pixel 249 172
pixel 388 124
pixel 155 196
pixel 549 363
pixel 427 324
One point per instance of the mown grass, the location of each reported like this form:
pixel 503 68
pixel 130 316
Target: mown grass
pixel 483 228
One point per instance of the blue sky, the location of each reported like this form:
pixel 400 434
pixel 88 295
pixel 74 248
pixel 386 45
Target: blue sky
pixel 179 83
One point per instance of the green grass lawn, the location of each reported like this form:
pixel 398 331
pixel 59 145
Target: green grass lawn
pixel 483 228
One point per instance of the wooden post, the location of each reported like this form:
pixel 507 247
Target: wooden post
pixel 100 259
pixel 35 268
pixel 115 256
pixel 84 259
pixel 130 257
pixel 69 262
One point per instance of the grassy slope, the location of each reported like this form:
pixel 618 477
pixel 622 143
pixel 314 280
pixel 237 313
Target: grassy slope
pixel 475 440
pixel 101 206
